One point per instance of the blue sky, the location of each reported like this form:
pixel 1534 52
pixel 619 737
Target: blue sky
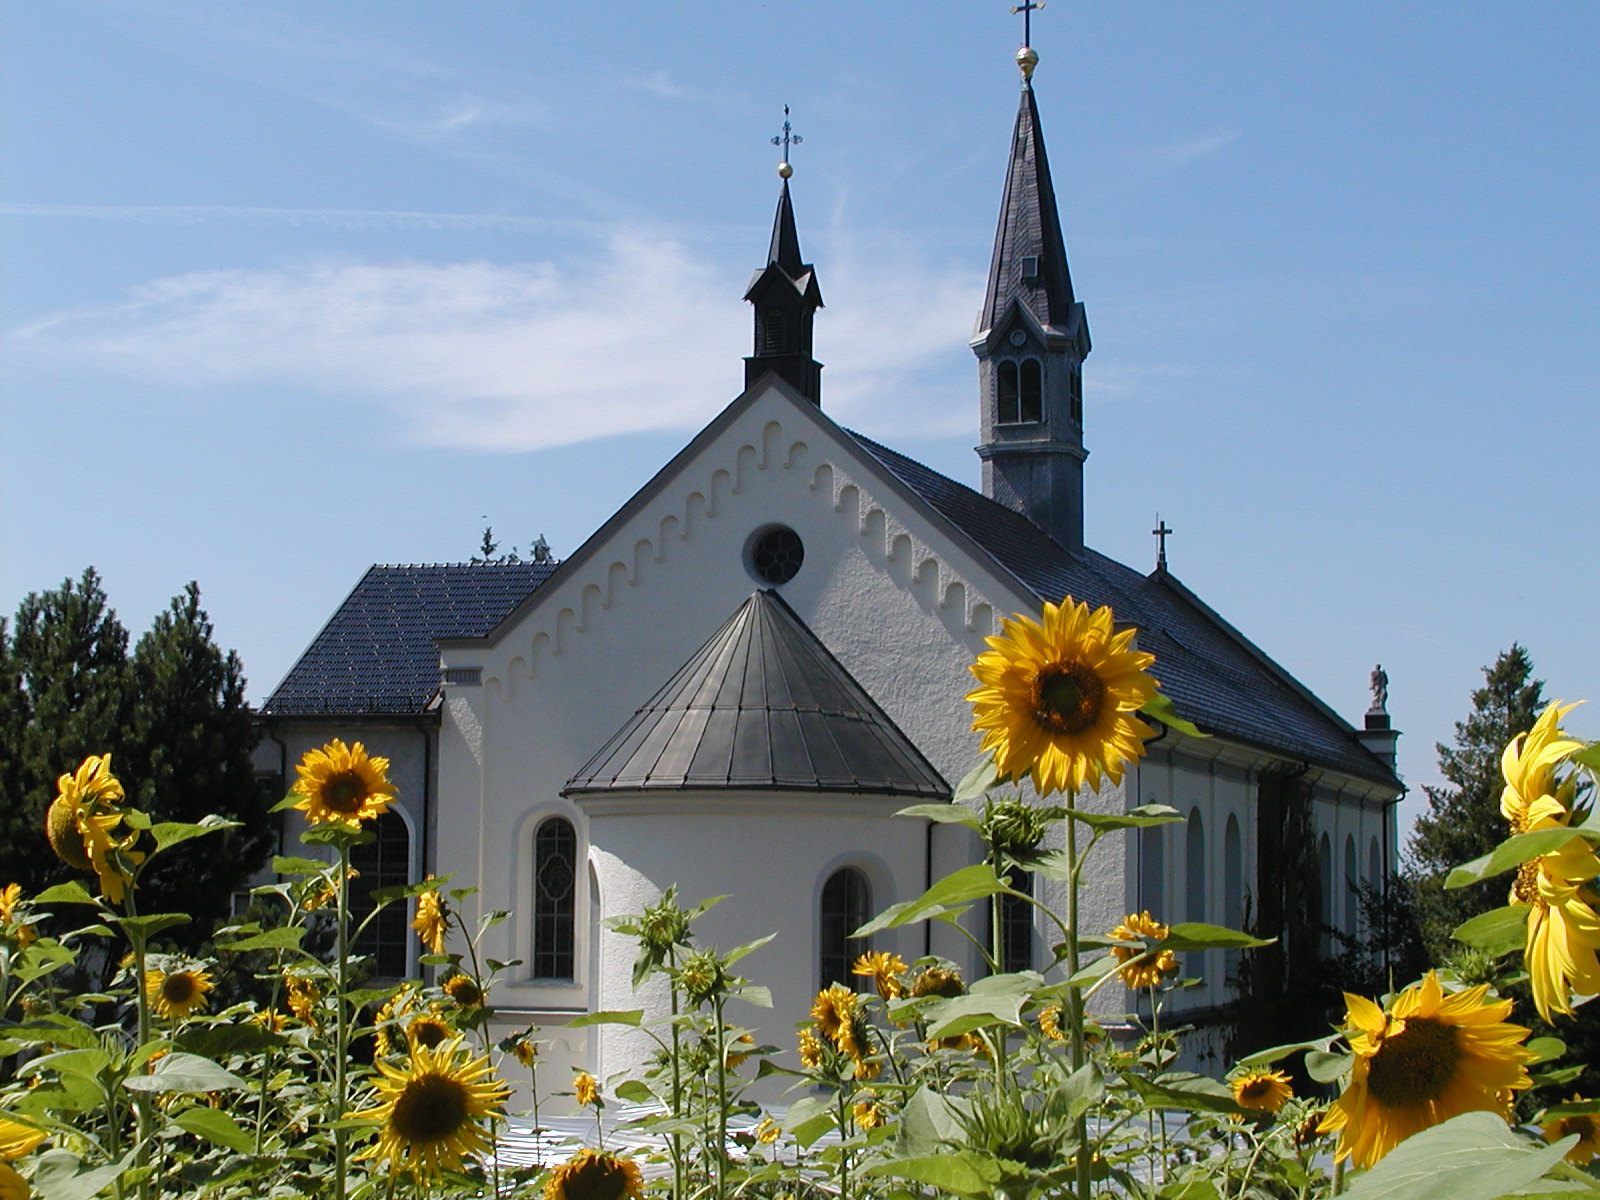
pixel 289 289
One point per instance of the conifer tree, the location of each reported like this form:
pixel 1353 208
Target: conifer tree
pixel 1463 820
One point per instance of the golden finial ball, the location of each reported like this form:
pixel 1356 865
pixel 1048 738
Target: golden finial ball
pixel 1027 59
pixel 785 170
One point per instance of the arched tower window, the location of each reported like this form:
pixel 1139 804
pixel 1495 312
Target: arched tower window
pixel 1153 870
pixel 555 878
pixel 1232 888
pixel 385 862
pixel 1031 402
pixel 1016 924
pixel 774 332
pixel 1075 393
pixel 1006 393
pixel 1352 890
pixel 1194 882
pixel 846 900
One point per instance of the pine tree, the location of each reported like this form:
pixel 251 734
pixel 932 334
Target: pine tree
pixel 1463 820
pixel 191 755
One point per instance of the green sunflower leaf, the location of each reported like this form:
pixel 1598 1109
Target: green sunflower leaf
pixel 1496 932
pixel 1475 1156
pixel 1160 708
pixel 1512 852
pixel 943 814
pixel 216 1126
pixel 961 887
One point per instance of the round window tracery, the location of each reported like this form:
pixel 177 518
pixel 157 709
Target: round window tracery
pixel 776 555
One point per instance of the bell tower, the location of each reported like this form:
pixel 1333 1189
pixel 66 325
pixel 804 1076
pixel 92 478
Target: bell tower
pixel 786 298
pixel 1031 339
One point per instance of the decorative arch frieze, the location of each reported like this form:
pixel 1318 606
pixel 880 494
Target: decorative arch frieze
pixel 889 541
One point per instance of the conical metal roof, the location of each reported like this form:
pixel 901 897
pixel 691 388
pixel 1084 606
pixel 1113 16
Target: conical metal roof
pixel 761 705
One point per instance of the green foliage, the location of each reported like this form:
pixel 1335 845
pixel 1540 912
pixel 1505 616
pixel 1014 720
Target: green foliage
pixel 1463 820
pixel 171 713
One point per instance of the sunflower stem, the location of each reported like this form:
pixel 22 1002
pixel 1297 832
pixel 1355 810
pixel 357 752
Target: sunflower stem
pixel 141 1103
pixel 722 1098
pixel 342 1035
pixel 1074 998
pixel 677 1077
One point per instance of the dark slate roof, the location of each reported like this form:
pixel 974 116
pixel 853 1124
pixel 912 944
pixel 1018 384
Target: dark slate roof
pixel 761 705
pixel 1215 676
pixel 379 653
pixel 1030 226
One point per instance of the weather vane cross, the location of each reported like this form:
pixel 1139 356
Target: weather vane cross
pixel 1027 8
pixel 1161 531
pixel 789 138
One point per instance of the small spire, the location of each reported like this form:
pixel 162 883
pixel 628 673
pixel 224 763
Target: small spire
pixel 1161 531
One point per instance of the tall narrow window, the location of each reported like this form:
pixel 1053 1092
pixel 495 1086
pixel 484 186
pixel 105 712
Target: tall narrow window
pixel 1194 885
pixel 845 903
pixel 774 331
pixel 1075 390
pixel 1031 403
pixel 1153 870
pixel 1352 888
pixel 1016 924
pixel 1325 892
pixel 385 862
pixel 555 876
pixel 1232 889
pixel 1005 394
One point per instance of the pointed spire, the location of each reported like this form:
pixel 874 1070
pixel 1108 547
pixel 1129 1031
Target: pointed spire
pixel 1030 255
pixel 785 251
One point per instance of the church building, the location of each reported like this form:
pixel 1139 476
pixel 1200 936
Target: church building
pixel 736 682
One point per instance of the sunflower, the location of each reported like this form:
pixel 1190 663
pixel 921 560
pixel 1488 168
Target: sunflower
pixel 431 1107
pixel 1561 950
pixel 1585 1124
pixel 1050 1023
pixel 271 1020
pixel 303 997
pixel 82 820
pixel 585 1089
pixel 1143 969
pixel 1262 1091
pixel 17 1139
pixel 24 934
pixel 464 990
pixel 810 1048
pixel 943 982
pixel 431 920
pixel 1059 698
pixel 428 1029
pixel 12 1185
pixel 737 1052
pixel 866 1111
pixel 837 1012
pixel 1431 1057
pixel 522 1046
pixel 175 994
pixel 1529 762
pixel 766 1131
pixel 595 1175
pixel 342 783
pixel 884 969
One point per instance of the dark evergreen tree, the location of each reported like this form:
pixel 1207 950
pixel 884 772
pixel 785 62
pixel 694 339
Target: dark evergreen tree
pixel 191 755
pixel 1463 820
pixel 66 678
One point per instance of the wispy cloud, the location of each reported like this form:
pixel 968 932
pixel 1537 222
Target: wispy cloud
pixel 1173 155
pixel 341 218
pixel 513 357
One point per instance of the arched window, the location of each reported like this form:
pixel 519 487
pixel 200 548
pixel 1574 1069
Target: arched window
pixel 1005 394
pixel 1374 864
pixel 774 332
pixel 1194 883
pixel 1031 407
pixel 845 904
pixel 1153 870
pixel 1016 924
pixel 1352 888
pixel 555 877
pixel 1325 892
pixel 1232 888
pixel 383 863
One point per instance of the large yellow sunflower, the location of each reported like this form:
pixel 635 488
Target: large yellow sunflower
pixel 1529 765
pixel 430 922
pixel 17 1139
pixel 12 1185
pixel 432 1107
pixel 1562 948
pixel 1431 1057
pixel 1059 698
pixel 1261 1091
pixel 595 1175
pixel 1142 969
pixel 173 995
pixel 343 783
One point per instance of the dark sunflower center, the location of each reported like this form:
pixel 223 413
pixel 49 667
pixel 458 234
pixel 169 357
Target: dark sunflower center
pixel 1414 1066
pixel 596 1179
pixel 344 792
pixel 1067 698
pixel 1256 1089
pixel 429 1033
pixel 178 989
pixel 429 1109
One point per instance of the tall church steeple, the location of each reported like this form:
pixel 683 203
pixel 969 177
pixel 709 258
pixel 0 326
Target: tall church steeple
pixel 1032 337
pixel 786 298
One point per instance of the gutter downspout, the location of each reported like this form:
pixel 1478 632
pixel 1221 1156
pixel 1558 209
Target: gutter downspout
pixel 927 884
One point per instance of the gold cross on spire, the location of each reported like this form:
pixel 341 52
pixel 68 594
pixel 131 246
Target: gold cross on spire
pixel 789 138
pixel 1027 8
